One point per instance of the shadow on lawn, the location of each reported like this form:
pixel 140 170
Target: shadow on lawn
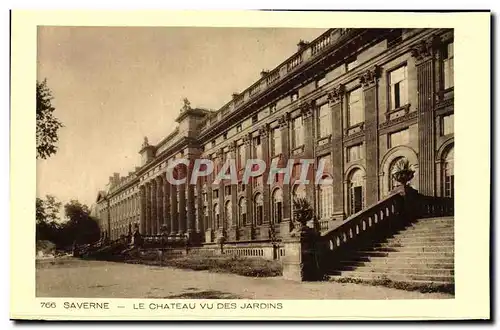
pixel 209 294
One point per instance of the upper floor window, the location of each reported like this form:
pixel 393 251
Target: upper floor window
pixel 255 119
pixel 238 128
pixel 324 121
pixel 448 66
pixel 355 114
pixel 216 193
pixel 298 132
pixel 294 96
pixel 257 148
pixel 224 136
pixel 355 153
pixel 351 64
pixel 398 80
pixel 447 125
pixel 213 143
pixel 276 141
pixel 399 138
pixel 241 156
pixel 320 82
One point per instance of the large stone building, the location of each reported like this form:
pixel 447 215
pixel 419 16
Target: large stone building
pixel 361 99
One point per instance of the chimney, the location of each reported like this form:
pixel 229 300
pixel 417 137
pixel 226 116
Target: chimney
pixel 264 73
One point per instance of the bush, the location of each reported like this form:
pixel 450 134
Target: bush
pixel 254 267
pixel 407 286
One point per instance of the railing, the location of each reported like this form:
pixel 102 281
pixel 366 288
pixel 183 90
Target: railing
pixel 321 43
pixel 161 241
pixel 272 77
pixel 294 62
pixel 366 221
pixel 435 206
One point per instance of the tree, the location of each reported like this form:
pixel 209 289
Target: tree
pixel 80 227
pixel 47 124
pixel 47 219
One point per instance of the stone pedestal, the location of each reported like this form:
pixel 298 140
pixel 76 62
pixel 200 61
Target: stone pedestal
pixel 209 237
pixel 285 229
pixel 301 261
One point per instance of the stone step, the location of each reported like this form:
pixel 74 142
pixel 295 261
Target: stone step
pixel 413 229
pixel 404 254
pixel 448 239
pixel 397 269
pixel 422 234
pixel 392 262
pixel 368 279
pixel 447 218
pixel 398 277
pixel 414 248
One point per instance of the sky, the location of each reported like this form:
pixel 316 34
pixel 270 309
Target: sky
pixel 114 85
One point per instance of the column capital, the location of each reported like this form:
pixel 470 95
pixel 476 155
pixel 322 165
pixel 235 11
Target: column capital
pixel 232 146
pixel 306 109
pixel 283 121
pixel 264 130
pixel 247 139
pixel 370 77
pixel 426 49
pixel 335 96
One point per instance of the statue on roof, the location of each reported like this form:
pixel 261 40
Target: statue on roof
pixel 146 142
pixel 186 106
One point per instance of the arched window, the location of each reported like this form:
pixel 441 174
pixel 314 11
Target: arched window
pixel 216 215
pixel 448 174
pixel 277 206
pixel 325 200
pixel 258 204
pixel 228 214
pixel 392 169
pixel 356 191
pixel 242 212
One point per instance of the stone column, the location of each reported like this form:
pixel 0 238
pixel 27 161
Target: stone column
pixel 250 226
pixel 284 123
pixel 142 208
pixel 191 225
pixel 209 229
pixel 424 57
pixel 307 110
pixel 159 203
pixel 369 81
pixel 154 211
pixel 148 209
pixel 173 210
pixel 234 230
pixel 335 98
pixel 166 204
pixel 266 189
pixel 181 191
pixel 222 207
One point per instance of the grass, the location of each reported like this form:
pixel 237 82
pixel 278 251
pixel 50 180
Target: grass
pixel 407 286
pixel 252 267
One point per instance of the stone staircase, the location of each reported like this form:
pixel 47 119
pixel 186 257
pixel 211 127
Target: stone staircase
pixel 420 253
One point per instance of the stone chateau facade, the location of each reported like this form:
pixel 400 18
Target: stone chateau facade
pixel 361 99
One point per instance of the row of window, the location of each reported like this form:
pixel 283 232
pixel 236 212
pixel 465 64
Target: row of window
pixel 398 97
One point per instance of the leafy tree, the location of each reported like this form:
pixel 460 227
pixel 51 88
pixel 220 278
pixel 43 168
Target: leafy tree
pixel 47 219
pixel 80 227
pixel 47 124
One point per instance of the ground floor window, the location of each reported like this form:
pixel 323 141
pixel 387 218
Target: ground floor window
pixel 356 191
pixel 448 174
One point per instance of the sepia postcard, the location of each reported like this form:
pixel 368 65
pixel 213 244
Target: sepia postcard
pixel 253 165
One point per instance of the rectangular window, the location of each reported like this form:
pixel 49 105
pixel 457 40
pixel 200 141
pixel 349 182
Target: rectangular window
pixel 276 141
pixel 398 80
pixel 258 181
pixel 238 128
pixel 216 193
pixel 241 156
pixel 355 153
pixel 227 191
pixel 224 136
pixel 257 148
pixel 298 132
pixel 355 113
pixel 213 143
pixel 351 64
pixel 255 119
pixel 320 82
pixel 294 96
pixel 399 138
pixel 448 66
pixel 447 125
pixel 324 121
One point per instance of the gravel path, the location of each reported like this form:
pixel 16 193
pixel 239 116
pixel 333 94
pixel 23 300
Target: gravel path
pixel 100 279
